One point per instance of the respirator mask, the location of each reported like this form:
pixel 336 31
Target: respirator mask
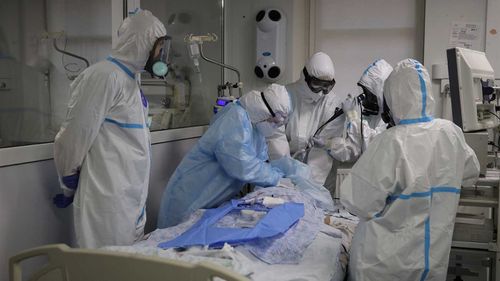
pixel 158 61
pixel 369 102
pixel 387 116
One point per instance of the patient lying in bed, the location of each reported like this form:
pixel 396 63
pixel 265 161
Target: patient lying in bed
pixel 314 248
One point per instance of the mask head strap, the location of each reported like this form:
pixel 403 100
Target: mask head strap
pixel 387 116
pixel 267 104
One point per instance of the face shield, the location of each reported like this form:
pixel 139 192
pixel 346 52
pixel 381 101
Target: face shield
pixel 158 61
pixel 317 85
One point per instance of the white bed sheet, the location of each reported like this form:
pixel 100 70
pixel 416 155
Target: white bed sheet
pixel 323 260
pixel 320 261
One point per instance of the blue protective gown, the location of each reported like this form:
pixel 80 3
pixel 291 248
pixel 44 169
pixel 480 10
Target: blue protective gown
pixel 230 154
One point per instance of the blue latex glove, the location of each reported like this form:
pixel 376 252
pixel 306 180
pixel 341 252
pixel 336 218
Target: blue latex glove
pixel 62 201
pixel 71 181
pixel 291 167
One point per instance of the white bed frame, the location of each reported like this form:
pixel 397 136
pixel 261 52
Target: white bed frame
pixel 67 264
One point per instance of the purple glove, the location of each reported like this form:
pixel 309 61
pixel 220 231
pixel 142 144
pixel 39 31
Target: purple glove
pixel 62 201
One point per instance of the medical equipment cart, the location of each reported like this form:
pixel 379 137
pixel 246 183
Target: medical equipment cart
pixel 475 246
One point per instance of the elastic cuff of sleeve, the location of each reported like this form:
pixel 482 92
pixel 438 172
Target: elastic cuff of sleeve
pixel 71 181
pixel 279 171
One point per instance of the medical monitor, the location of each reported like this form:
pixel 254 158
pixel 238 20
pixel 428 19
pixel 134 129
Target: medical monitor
pixel 471 86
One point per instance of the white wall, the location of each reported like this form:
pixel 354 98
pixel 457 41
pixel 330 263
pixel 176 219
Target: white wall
pixel 493 35
pixel 29 219
pixel 438 19
pixel 27 216
pixel 356 32
pixel 241 38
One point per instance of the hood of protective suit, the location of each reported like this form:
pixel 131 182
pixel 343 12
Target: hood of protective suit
pixel 136 37
pixel 276 96
pixel 320 65
pixel 373 79
pixel 408 93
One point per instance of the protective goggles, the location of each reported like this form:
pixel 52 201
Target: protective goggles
pixel 158 61
pixel 278 118
pixel 317 85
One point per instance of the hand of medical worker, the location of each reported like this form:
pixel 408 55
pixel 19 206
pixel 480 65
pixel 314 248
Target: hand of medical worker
pixel 300 155
pixel 349 107
pixel 318 142
pixel 286 183
pixel 62 201
pixel 291 167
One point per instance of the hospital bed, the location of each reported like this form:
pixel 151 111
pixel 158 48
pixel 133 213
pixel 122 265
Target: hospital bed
pixel 66 264
pixel 325 258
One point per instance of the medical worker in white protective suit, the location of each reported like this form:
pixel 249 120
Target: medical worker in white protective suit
pixel 231 153
pixel 406 186
pixel 353 142
pixel 102 151
pixel 313 104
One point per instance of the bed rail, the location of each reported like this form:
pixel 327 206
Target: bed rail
pixel 67 264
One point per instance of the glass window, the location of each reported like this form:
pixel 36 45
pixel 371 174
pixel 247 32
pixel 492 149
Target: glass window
pixel 187 96
pixel 34 76
pixel 40 42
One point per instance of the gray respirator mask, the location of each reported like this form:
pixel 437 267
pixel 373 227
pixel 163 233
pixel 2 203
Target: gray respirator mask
pixel 158 61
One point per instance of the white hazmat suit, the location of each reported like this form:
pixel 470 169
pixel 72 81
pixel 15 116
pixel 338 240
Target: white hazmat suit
pixel 373 79
pixel 350 146
pixel 103 147
pixel 406 186
pixel 310 111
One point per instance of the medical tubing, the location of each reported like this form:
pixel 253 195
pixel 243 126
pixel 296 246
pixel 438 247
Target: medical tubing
pixel 493 144
pixel 494 115
pixel 222 65
pixel 338 112
pixel 361 126
pixel 498 138
pixel 69 54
